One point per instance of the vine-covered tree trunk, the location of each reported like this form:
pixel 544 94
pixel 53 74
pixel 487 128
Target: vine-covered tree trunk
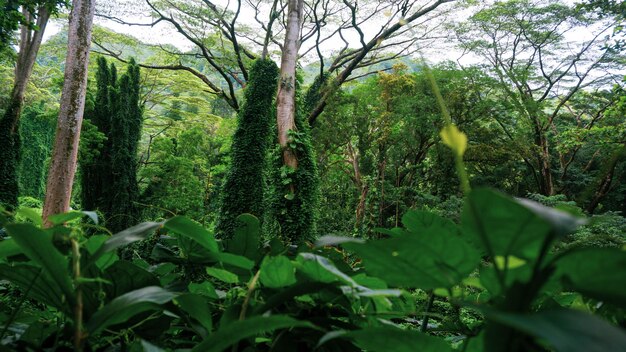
pixel 30 41
pixel 65 150
pixel 293 201
pixel 242 191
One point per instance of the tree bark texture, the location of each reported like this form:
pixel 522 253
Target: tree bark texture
pixel 285 104
pixel 30 42
pixel 65 150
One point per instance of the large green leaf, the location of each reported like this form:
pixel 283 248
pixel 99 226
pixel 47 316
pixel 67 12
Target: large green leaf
pixel 128 305
pixel 191 229
pixel 38 285
pixel 32 214
pixel 331 240
pixel 567 330
pixel 321 269
pixel 223 275
pixel 197 307
pixel 243 329
pixel 596 272
pixel 436 258
pixel 418 222
pixel 247 237
pixel 562 222
pixel 126 277
pixel 235 260
pixel 388 339
pixel 59 219
pixel 8 248
pixel 204 288
pixel 125 237
pixel 37 246
pixel 277 272
pixel 501 226
pixel 93 244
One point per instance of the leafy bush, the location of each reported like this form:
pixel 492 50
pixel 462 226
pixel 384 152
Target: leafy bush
pixel 491 283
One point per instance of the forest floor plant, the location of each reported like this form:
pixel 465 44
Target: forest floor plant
pixel 492 283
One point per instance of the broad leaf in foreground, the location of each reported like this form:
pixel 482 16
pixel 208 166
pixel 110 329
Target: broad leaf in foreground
pixel 243 329
pixel 37 246
pixel 567 330
pixel 596 272
pixel 128 305
pixel 436 258
pixel 388 339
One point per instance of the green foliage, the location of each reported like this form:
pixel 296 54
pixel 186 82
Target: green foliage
pixel 293 200
pixel 242 191
pixel 184 166
pixel 9 156
pixel 11 16
pixel 109 152
pixel 37 126
pixel 519 295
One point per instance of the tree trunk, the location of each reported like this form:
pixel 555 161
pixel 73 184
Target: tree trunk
pixel 30 41
pixel 545 168
pixel 546 183
pixel 285 104
pixel 65 151
pixel 605 182
pixel 361 185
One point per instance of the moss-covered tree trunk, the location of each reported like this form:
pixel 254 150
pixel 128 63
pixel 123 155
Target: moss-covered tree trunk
pixel 65 150
pixel 30 41
pixel 242 191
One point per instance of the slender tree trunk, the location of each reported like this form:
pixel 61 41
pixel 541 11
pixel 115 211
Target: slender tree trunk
pixel 546 169
pixel 546 183
pixel 360 209
pixel 362 186
pixel 605 182
pixel 65 151
pixel 285 104
pixel 30 42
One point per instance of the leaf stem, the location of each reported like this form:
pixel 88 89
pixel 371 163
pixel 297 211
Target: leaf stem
pixel 429 305
pixel 78 308
pixel 246 301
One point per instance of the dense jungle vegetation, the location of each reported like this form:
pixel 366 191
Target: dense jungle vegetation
pixel 312 175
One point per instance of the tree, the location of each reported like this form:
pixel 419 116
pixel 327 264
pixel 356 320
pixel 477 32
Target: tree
pixel 222 40
pixel 16 13
pixel 286 97
pixel 34 21
pixel 109 179
pixel 242 191
pixel 65 150
pixel 229 42
pixel 379 152
pixel 524 45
